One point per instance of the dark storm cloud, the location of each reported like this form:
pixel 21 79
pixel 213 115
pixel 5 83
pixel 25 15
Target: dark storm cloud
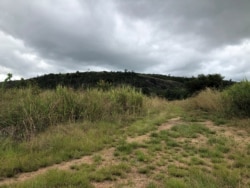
pixel 80 31
pixel 162 36
pixel 218 22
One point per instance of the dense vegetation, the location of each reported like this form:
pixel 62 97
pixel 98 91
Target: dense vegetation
pixel 25 112
pixel 232 102
pixel 124 134
pixel 166 86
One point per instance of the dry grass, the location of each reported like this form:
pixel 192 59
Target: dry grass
pixel 208 100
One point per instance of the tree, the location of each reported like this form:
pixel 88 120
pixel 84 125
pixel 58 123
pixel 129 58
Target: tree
pixel 204 81
pixel 9 76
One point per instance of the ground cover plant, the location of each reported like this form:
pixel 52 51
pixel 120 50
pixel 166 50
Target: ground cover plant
pixel 198 142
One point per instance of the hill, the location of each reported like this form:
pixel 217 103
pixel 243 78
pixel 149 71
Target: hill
pixel 166 86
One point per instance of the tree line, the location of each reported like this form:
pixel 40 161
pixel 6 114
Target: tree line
pixel 166 86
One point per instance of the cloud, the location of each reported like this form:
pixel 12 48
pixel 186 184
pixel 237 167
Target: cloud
pixel 217 22
pixel 232 61
pixel 169 37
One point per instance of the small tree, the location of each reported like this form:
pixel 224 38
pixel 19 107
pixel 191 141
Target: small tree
pixel 9 76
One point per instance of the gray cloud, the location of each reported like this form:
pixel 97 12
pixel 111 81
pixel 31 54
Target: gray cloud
pixel 218 22
pixel 169 37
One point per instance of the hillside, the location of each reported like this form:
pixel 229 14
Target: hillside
pixel 169 87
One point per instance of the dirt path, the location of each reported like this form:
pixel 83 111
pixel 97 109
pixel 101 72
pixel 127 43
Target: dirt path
pixel 107 155
pixel 165 126
pixel 240 136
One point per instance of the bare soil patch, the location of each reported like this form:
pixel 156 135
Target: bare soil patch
pixel 239 135
pixel 166 126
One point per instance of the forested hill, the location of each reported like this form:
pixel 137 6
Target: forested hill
pixel 170 87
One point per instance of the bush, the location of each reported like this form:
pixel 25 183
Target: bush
pixel 237 99
pixel 207 100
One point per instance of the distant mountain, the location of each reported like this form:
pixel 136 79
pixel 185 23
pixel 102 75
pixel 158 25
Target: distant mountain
pixel 166 86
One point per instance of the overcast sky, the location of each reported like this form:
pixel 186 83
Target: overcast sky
pixel 180 38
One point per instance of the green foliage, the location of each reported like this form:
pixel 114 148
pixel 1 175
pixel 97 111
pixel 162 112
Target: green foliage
pixel 110 173
pixel 56 144
pixel 6 80
pixel 175 183
pixel 125 148
pixel 237 99
pixel 177 171
pixel 232 102
pixel 198 178
pixel 56 178
pixel 9 76
pixel 104 85
pixel 25 112
pixel 165 86
pixel 204 81
pixel 191 130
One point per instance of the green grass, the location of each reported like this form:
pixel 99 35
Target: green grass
pixel 24 113
pixel 190 154
pixel 190 130
pixel 82 177
pixel 178 172
pixel 110 173
pixel 57 144
pixel 175 183
pixel 56 178
pixel 125 148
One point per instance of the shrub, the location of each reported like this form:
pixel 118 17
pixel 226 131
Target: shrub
pixel 208 100
pixel 237 99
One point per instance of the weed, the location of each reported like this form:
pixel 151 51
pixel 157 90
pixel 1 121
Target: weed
pixel 175 183
pixel 55 178
pixel 141 156
pixel 110 173
pixel 126 148
pixel 190 130
pixel 198 178
pixel 97 159
pixel 197 161
pixel 177 171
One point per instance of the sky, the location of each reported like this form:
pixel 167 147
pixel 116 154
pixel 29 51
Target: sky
pixel 178 38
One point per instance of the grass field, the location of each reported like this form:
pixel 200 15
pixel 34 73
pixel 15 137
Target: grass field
pixel 120 138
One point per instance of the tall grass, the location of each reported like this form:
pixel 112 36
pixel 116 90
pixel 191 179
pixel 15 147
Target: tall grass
pixel 58 125
pixel 25 112
pixel 232 102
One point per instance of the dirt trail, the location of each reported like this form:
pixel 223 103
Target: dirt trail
pixel 240 136
pixel 165 126
pixel 107 155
